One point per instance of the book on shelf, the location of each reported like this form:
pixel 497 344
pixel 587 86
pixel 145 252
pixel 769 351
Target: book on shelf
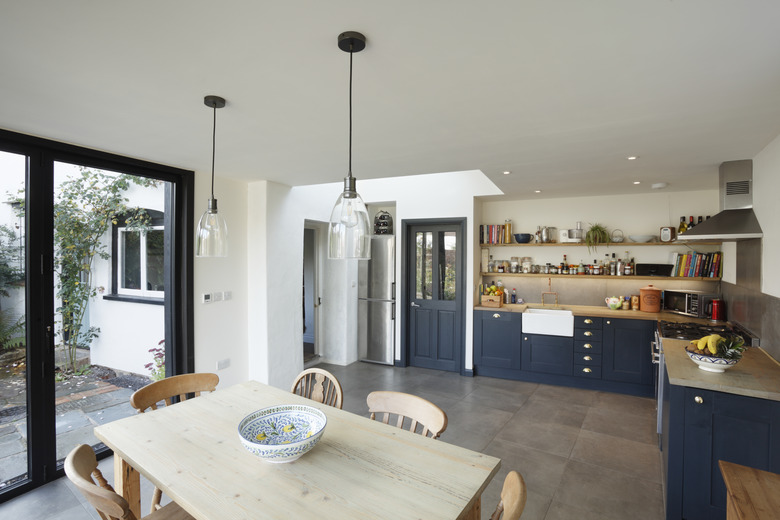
pixel 696 264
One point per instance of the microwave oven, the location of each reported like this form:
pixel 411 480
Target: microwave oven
pixel 689 303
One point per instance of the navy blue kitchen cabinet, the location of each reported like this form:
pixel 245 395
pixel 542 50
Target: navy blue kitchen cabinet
pixel 703 427
pixel 626 351
pixel 548 354
pixel 497 343
pixel 606 354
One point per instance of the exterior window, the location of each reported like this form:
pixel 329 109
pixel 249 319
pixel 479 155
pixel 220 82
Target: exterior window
pixel 141 262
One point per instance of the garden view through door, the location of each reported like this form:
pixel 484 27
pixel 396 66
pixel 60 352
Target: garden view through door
pixel 109 292
pixel 13 351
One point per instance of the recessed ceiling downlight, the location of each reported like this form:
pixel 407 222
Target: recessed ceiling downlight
pixel 632 157
pixel 659 185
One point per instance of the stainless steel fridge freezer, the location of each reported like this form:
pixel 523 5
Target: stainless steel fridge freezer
pixel 376 302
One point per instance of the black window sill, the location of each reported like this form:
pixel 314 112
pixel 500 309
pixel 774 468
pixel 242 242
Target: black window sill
pixel 134 299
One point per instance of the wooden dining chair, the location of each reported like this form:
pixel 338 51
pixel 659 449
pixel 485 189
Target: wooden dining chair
pixel 410 409
pixel 319 385
pixel 164 390
pixel 513 497
pixel 81 468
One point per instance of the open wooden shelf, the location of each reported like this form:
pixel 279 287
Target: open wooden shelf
pixel 611 244
pixel 601 276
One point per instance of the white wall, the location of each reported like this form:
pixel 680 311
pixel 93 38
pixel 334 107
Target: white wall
pixel 766 188
pixel 275 341
pixel 220 328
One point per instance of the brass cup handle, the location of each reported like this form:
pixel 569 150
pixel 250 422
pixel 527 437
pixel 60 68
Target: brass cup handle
pixel 496 315
pixel 698 399
pixel 588 333
pixel 588 321
pixel 588 345
pixel 587 358
pixel 587 370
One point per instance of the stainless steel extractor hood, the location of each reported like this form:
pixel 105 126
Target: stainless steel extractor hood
pixel 736 220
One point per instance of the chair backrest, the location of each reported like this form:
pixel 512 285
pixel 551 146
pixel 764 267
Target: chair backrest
pixel 81 467
pixel 319 385
pixel 513 497
pixel 165 389
pixel 408 408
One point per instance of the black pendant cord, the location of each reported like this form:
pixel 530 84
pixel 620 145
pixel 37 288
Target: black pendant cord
pixel 213 149
pixel 350 113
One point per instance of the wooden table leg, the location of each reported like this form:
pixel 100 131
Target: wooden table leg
pixel 475 513
pixel 127 482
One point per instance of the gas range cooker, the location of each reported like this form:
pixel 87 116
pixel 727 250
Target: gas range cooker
pixel 690 331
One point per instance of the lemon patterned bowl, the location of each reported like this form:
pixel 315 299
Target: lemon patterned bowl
pixel 282 433
pixel 711 363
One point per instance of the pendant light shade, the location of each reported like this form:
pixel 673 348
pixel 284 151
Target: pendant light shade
pixel 211 237
pixel 349 232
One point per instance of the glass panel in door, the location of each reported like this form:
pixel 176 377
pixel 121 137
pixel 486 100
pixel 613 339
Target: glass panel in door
pixel 108 289
pixel 13 350
pixel 424 265
pixel 447 259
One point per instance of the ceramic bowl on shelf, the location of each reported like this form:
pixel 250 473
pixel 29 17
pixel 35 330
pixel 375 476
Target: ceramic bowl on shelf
pixel 522 238
pixel 641 238
pixel 711 363
pixel 282 433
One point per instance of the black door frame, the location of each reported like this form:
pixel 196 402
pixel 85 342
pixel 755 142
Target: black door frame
pixel 460 301
pixel 179 328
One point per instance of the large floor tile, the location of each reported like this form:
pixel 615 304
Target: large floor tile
pixel 541 409
pixel 567 394
pixel 548 437
pixel 471 425
pixel 42 504
pixel 635 427
pixel 541 471
pixel 636 459
pixel 609 492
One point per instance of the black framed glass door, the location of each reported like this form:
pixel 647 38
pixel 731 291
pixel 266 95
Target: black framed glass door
pixel 41 413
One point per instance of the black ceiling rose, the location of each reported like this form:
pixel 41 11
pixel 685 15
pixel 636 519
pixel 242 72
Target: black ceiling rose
pixel 214 101
pixel 352 41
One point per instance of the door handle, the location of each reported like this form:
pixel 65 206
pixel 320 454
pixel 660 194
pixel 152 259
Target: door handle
pixel 413 304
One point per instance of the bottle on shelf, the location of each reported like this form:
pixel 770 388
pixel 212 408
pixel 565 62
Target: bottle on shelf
pixel 563 264
pixel 514 295
pixel 538 234
pixel 613 266
pixel 683 226
pixel 605 265
pixel 620 267
pixel 699 221
pixel 691 223
pixel 596 268
pixel 627 267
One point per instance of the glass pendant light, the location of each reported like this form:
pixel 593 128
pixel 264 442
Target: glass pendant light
pixel 349 232
pixel 211 235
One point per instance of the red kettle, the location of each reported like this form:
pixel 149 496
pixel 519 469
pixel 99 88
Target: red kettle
pixel 718 310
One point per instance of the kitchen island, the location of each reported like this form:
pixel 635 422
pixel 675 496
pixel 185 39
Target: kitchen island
pixel 708 417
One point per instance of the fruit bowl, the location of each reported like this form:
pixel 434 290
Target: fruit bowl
pixel 522 238
pixel 711 363
pixel 282 433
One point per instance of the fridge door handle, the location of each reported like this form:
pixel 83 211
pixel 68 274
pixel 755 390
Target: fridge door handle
pixel 392 311
pixel 413 304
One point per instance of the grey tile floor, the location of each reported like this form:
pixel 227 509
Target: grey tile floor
pixel 584 454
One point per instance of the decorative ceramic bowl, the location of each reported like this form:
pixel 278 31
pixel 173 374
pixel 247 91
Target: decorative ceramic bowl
pixel 641 238
pixel 711 363
pixel 282 433
pixel 613 303
pixel 522 238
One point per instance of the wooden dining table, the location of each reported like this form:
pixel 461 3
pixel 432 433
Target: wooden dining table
pixel 359 469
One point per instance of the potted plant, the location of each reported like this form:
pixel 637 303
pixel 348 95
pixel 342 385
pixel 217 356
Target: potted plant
pixel 596 234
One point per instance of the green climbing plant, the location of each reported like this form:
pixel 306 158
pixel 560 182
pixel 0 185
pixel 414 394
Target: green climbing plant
pixel 85 207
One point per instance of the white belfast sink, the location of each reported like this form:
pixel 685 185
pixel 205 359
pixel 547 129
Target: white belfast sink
pixel 550 322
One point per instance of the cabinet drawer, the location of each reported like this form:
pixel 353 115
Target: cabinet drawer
pixel 588 359
pixel 587 347
pixel 497 315
pixel 587 322
pixel 587 334
pixel 587 371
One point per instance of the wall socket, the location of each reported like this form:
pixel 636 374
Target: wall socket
pixel 216 296
pixel 223 364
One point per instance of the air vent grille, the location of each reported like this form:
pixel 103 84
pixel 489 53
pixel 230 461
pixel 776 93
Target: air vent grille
pixel 738 188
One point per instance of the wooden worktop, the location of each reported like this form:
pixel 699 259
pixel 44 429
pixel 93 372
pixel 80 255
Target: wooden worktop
pixel 597 311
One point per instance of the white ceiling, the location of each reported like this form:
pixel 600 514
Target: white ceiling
pixel 558 92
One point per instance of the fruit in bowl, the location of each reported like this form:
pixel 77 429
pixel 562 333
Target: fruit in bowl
pixel 716 353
